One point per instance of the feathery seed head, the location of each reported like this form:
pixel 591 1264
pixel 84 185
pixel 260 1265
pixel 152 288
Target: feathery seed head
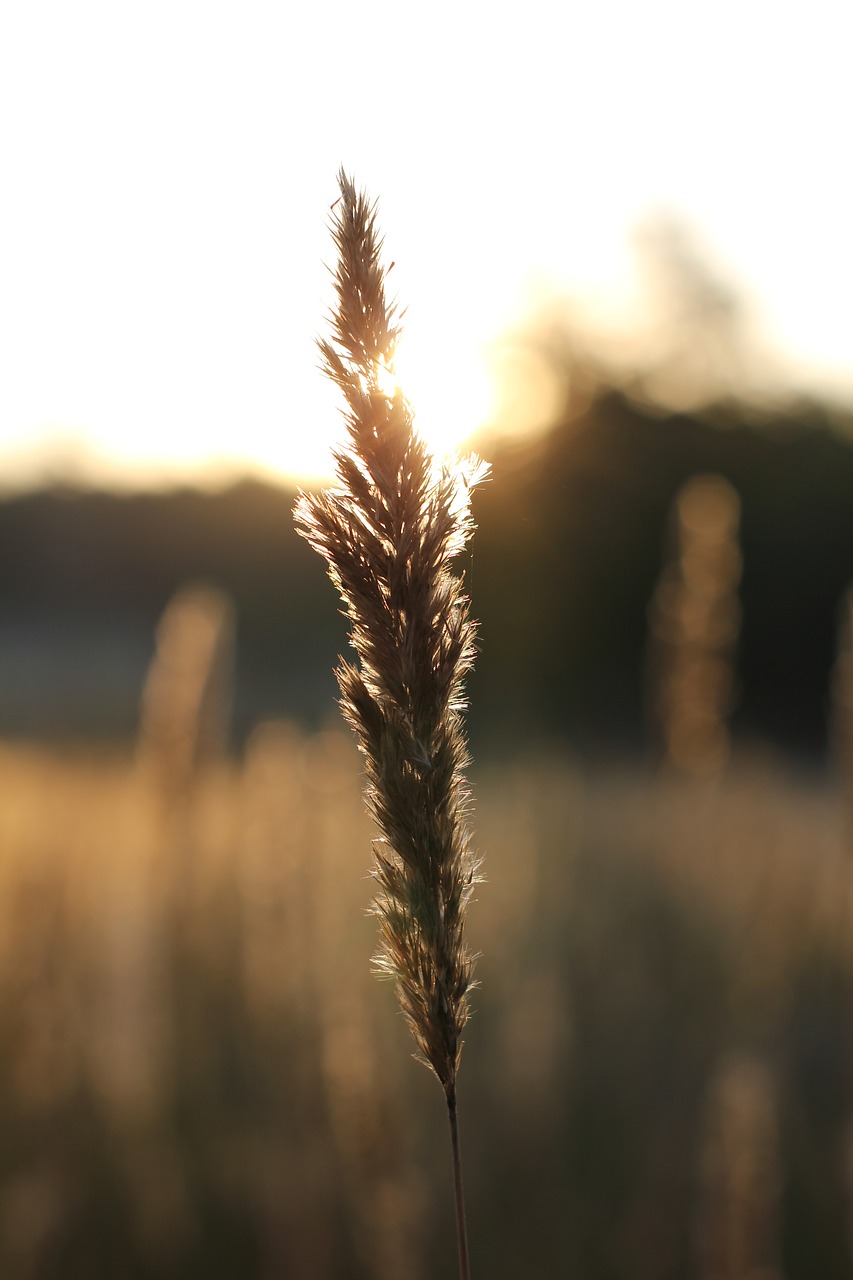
pixel 389 531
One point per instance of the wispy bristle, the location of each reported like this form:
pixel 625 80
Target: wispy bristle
pixel 389 531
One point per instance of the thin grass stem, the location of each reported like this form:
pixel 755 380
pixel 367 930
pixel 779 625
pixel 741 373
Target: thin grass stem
pixel 458 1188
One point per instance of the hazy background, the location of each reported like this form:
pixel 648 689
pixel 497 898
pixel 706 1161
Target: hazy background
pixel 167 173
pixel 579 205
pixel 621 236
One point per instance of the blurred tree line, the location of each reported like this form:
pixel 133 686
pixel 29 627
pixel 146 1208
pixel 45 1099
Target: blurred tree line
pixel 572 540
pixel 572 530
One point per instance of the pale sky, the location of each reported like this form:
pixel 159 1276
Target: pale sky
pixel 166 172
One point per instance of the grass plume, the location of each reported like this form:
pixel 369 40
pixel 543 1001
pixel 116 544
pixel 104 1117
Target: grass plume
pixel 186 701
pixel 389 531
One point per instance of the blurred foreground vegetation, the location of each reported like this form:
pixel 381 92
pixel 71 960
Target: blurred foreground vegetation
pixel 200 1077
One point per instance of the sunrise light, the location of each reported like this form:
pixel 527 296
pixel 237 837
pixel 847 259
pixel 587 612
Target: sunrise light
pixel 167 175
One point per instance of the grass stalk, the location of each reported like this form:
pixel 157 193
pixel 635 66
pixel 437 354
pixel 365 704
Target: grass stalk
pixel 389 531
pixel 458 1188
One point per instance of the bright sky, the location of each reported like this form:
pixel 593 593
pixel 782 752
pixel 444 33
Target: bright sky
pixel 166 172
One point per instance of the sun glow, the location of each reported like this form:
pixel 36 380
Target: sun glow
pixel 451 395
pixel 450 398
pixel 162 261
pixel 387 381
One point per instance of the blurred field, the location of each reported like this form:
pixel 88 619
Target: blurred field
pixel 200 1077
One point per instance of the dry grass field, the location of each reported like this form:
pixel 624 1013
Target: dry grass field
pixel 200 1077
